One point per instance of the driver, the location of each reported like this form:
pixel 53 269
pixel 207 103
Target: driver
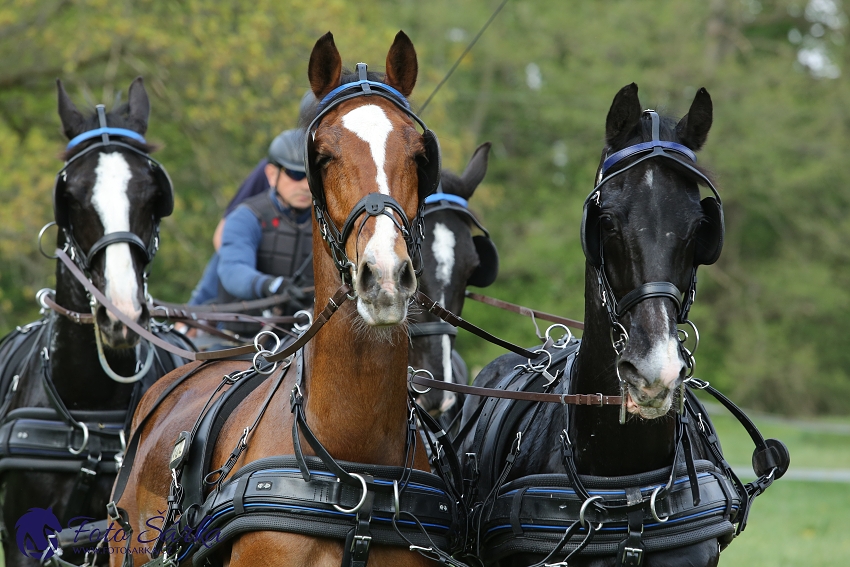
pixel 266 244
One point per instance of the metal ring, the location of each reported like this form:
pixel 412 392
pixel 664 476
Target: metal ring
pixel 85 439
pixel 411 372
pixel 39 297
pixel 652 506
pixel 362 498
pixel 257 368
pixel 540 367
pixel 624 338
pixel 396 500
pixel 257 341
pixel 298 328
pixel 40 235
pixel 584 508
pixel 562 342
pixel 696 335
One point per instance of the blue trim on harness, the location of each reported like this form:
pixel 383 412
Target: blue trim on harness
pixel 437 197
pixel 330 474
pixel 110 131
pixel 533 527
pixel 646 147
pixel 360 84
pixel 543 490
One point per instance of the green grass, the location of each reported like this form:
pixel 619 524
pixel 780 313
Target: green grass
pixel 793 522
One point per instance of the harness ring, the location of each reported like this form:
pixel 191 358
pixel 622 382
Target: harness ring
pixel 261 349
pixel 362 498
pixel 562 342
pixel 652 507
pixel 82 448
pixel 583 509
pixel 411 372
pixel 264 353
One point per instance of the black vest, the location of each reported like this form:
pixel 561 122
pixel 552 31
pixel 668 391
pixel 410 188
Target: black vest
pixel 286 249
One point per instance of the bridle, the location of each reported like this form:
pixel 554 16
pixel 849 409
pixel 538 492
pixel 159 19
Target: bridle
pixel 373 204
pixel 591 239
pixel 83 260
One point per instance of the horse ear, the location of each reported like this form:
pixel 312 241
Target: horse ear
pixel 475 170
pixel 623 116
pixel 325 68
pixel 72 119
pixel 693 128
pixel 138 106
pixel 402 66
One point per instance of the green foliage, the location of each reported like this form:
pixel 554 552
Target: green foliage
pixel 225 77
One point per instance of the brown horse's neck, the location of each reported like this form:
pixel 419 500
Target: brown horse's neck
pixel 355 379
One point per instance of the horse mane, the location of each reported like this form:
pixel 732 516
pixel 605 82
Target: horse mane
pixel 118 117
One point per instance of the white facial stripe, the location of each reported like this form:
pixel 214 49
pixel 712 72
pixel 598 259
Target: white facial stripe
pixel 110 200
pixel 370 124
pixel 443 248
pixel 662 363
pixel 446 344
pixel 648 177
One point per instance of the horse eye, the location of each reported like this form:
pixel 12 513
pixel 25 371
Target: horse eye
pixel 607 223
pixel 322 160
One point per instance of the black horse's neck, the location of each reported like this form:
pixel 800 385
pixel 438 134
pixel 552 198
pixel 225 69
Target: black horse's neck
pixel 603 446
pixel 74 365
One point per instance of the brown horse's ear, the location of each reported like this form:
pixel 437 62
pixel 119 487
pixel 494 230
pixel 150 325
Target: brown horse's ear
pixel 138 106
pixel 72 119
pixel 402 67
pixel 325 69
pixel 693 128
pixel 623 116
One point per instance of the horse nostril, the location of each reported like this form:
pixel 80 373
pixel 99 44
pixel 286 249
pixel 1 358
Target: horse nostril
pixel 407 276
pixel 366 277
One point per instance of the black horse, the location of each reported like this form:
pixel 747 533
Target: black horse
pixel 453 258
pixel 644 233
pixel 69 382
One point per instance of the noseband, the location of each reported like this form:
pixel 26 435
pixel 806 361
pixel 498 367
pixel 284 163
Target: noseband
pixel 373 204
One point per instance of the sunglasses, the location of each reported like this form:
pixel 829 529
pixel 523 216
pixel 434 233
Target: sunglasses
pixel 294 175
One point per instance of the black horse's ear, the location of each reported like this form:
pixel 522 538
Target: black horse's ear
pixel 475 170
pixel 623 115
pixel 693 128
pixel 402 67
pixel 325 68
pixel 138 106
pixel 72 119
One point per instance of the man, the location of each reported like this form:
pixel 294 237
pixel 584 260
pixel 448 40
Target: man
pixel 266 244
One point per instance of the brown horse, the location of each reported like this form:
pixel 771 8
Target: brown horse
pixel 354 383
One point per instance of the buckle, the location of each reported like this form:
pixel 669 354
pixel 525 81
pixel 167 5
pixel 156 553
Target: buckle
pixel 632 556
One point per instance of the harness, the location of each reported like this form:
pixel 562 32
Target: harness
pixel 691 501
pixel 317 496
pixel 55 439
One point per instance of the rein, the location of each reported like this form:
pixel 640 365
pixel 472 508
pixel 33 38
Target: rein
pixel 527 311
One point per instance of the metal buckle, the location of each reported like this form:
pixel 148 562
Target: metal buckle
pixel 632 556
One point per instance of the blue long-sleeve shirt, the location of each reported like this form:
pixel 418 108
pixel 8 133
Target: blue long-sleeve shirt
pixel 237 263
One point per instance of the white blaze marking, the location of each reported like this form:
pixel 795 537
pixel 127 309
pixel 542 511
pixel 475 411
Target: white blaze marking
pixel 648 177
pixel 662 363
pixel 443 248
pixel 110 200
pixel 446 343
pixel 370 124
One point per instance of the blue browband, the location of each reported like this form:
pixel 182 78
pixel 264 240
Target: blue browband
pixel 364 86
pixel 439 196
pixel 643 148
pixel 108 131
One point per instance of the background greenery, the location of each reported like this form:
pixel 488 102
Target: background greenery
pixel 226 76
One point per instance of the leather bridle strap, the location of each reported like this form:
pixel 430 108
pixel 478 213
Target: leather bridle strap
pixel 648 291
pixel 528 312
pixel 571 399
pixel 433 307
pixel 333 304
pixel 114 238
